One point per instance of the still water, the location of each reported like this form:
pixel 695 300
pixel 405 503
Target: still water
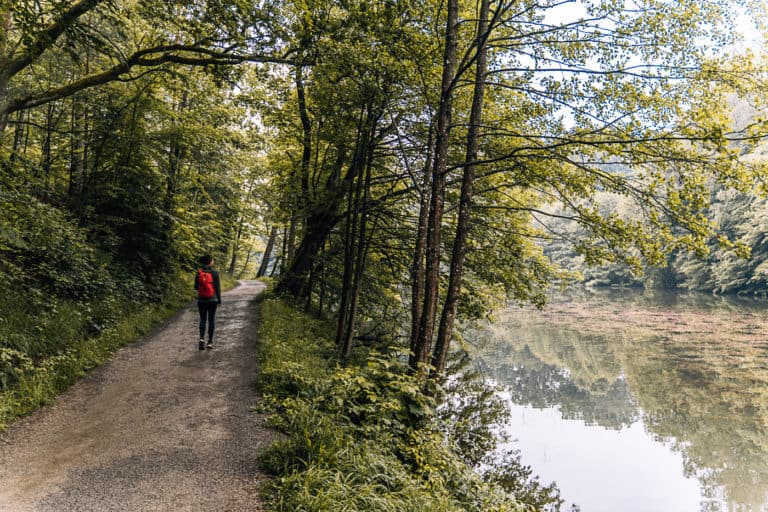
pixel 637 402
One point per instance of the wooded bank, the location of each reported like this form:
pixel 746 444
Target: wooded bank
pixel 398 167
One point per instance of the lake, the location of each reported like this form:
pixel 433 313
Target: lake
pixel 638 402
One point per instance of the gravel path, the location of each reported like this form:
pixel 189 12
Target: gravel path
pixel 163 426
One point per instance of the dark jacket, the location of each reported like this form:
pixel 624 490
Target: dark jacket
pixel 216 285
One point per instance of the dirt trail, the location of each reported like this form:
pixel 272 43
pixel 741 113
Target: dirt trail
pixel 163 426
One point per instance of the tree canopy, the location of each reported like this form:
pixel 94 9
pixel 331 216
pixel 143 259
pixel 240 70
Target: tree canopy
pixel 402 162
pixel 602 98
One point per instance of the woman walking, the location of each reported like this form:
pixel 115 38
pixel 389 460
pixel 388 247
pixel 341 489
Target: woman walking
pixel 208 298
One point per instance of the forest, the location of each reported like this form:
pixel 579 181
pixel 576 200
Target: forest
pixel 397 168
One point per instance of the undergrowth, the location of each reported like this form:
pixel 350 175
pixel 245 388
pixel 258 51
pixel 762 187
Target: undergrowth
pixel 362 438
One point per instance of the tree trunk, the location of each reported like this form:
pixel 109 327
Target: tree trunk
pixel 362 239
pixel 246 262
pixel 236 244
pixel 322 292
pixel 318 227
pixel 417 270
pixel 276 266
pixel 267 252
pixel 4 102
pixel 176 152
pixel 350 228
pixel 290 239
pixel 346 280
pixel 445 330
pixel 308 289
pixel 233 260
pixel 6 22
pixel 437 201
pixel 47 156
pixel 77 151
pixel 239 233
pixel 302 205
pixel 18 135
pixel 306 143
pixel 284 247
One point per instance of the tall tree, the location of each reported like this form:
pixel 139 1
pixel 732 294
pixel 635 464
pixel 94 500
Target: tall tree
pixel 450 307
pixel 423 342
pixel 355 61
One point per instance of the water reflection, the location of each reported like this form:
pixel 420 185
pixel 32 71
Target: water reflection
pixel 601 402
pixel 689 372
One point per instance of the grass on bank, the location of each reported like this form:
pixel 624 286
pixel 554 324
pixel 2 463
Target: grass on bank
pixel 361 438
pixel 28 382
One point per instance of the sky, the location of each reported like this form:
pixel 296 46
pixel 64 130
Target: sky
pixel 573 10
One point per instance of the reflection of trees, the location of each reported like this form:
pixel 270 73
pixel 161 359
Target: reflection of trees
pixel 716 414
pixel 532 382
pixel 709 398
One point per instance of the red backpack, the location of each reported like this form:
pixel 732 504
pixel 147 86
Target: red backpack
pixel 205 289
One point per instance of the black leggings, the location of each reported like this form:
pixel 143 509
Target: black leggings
pixel 207 311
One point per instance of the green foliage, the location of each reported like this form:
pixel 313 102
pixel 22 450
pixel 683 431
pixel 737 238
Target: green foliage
pixel 40 248
pixel 105 196
pixel 510 473
pixel 339 472
pixel 67 303
pixel 635 114
pixel 109 193
pixel 363 437
pixel 732 262
pixel 60 287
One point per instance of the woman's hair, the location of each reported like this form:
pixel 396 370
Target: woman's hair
pixel 206 259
